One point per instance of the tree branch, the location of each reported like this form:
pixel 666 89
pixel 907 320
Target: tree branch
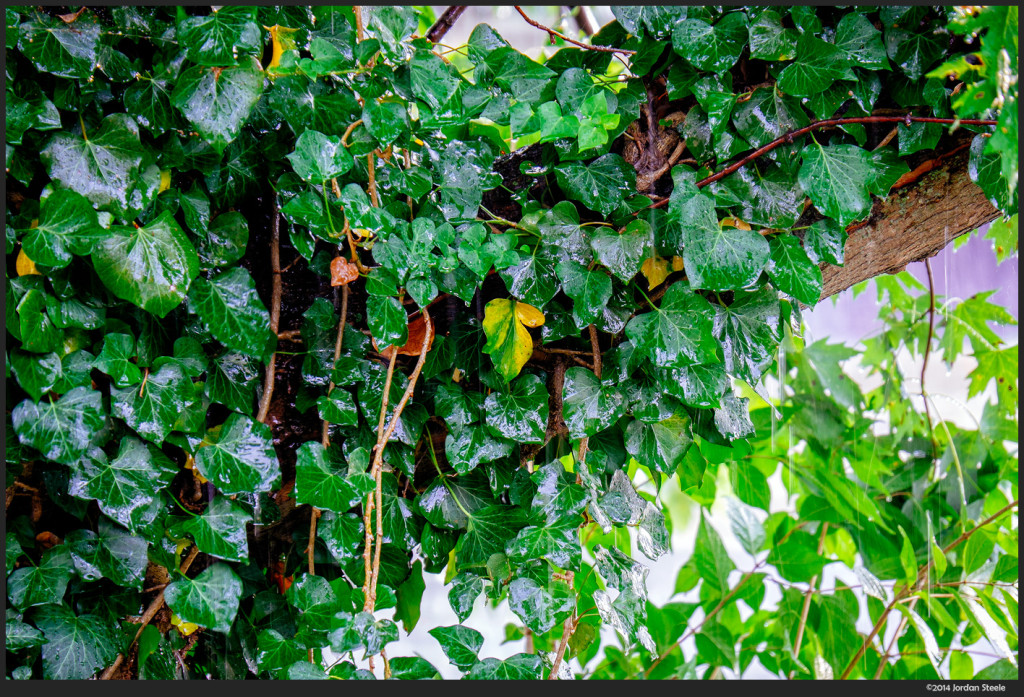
pixel 275 307
pixel 445 22
pixel 552 32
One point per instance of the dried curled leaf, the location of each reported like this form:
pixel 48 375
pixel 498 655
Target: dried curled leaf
pixel 414 344
pixel 343 271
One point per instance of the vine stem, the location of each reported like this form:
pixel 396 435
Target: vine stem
pixel 314 515
pixel 574 42
pixel 922 573
pixel 807 601
pixel 825 123
pixel 370 498
pixel 275 308
pixel 324 436
pixel 148 615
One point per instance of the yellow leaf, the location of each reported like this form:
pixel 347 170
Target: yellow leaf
pixel 185 628
pixel 677 264
pixel 509 343
pixel 655 270
pixel 190 464
pixel 736 223
pixel 25 266
pixel 283 40
pixel 165 180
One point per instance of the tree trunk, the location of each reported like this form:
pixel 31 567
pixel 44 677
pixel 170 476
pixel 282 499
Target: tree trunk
pixel 912 224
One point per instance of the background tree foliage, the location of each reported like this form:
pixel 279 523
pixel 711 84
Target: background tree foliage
pixel 227 227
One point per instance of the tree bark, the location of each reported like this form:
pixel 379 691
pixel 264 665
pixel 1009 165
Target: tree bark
pixel 912 224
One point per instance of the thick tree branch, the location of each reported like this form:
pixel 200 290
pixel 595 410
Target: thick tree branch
pixel 445 22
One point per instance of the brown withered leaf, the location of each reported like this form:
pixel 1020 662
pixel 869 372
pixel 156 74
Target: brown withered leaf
pixel 343 271
pixel 414 344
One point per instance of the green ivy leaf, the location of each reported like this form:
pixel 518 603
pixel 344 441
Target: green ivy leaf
pixel 601 186
pixel 521 414
pixel 769 41
pixel 413 668
pixel 679 331
pixel 837 178
pixel 65 49
pixel 238 456
pixel 231 309
pixel 76 646
pixel 124 487
pixel 460 644
pixel 748 330
pixel 623 253
pixel 531 278
pixel 232 381
pixel 431 79
pixel 318 158
pixel 589 407
pixel 151 266
pixel 67 225
pixel 387 320
pixel 792 271
pixel 711 48
pixel 220 530
pixel 210 599
pixel 449 502
pixel 817 66
pixel 111 553
pixel 36 373
pixel 225 241
pixel 103 166
pixel 43 584
pixel 61 430
pixel 862 42
pixel 218 101
pixel 215 39
pixel 274 652
pixel 116 360
pixel 538 607
pixel 153 409
pixel 558 542
pixel 20 635
pixel 558 496
pixel 487 530
pixel 324 486
pixel 825 242
pixel 521 666
pixel 472 446
pixel 660 446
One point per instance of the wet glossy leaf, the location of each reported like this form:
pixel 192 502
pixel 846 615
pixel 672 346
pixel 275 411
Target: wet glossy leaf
pixel 837 177
pixel 67 226
pixel 76 646
pixel 792 271
pixel 151 266
pixel 711 48
pixel 521 666
pixel 825 242
pixel 275 652
pixel 43 584
pixel 589 407
pixel 321 482
pixel 153 409
pixel 472 446
pixel 460 644
pixel 413 668
pixel 61 430
pixel 387 320
pixel 660 446
pixel 508 341
pixel 216 38
pixel 538 607
pixel 220 530
pixel 116 360
pixel 210 599
pixel 21 635
pixel 558 542
pixel 231 309
pixel 796 558
pixel 862 42
pixel 748 331
pixel 487 530
pixel 239 456
pixel 232 380
pixel 558 496
pixel 225 241
pixel 531 278
pixel 769 40
pixel 318 158
pixel 601 185
pixel 103 166
pixel 36 373
pixel 218 101
pixel 623 253
pixel 448 502
pixel 66 49
pixel 589 290
pixel 111 553
pixel 521 414
pixel 677 331
pixel 817 66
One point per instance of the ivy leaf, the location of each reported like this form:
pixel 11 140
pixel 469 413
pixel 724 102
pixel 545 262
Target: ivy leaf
pixel 680 330
pixel 231 309
pixel 817 66
pixel 711 48
pixel 660 446
pixel 769 41
pixel 225 241
pixel 338 408
pixel 767 115
pixel 232 381
pixel 509 343
pixel 65 49
pixel 431 79
pixel 796 558
pixel 37 373
pixel 274 652
pixel 115 360
pixel 387 320
pixel 465 589
pixel 67 225
pixel 837 177
pixel 531 278
pixel 746 527
pixel 825 241
pixel 163 398
pixel 103 167
pixel 588 407
pixel 521 666
pixel 61 430
pixel 460 644
pixel 215 39
pixel 748 330
pixel 125 487
pixel 792 271
pixel 620 571
pixel 210 599
pixel 318 158
pixel 539 609
pixel 20 635
pixel 324 486
pixel 590 290
pixel 449 502
pixel 465 171
pixel 220 530
pixel 315 599
pixel 601 186
pixel 217 101
pixel 238 456
pixel 622 253
pixel 472 446
pixel 558 496
pixel 151 266
pixel 862 42
pixel 487 530
pixel 714 258
pixel 37 331
pixel 521 414
pixel 111 553
pixel 76 646
pixel 558 542
pixel 413 668
pixel 43 584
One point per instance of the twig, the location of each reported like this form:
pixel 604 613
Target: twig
pixel 584 19
pixel 807 601
pixel 148 615
pixel 314 515
pixel 324 436
pixel 922 573
pixel 825 123
pixel 370 499
pixel 568 627
pixel 444 23
pixel 275 307
pixel 348 131
pixel 927 352
pixel 552 32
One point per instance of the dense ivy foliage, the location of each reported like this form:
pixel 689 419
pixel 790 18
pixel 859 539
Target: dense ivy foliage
pixel 522 314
